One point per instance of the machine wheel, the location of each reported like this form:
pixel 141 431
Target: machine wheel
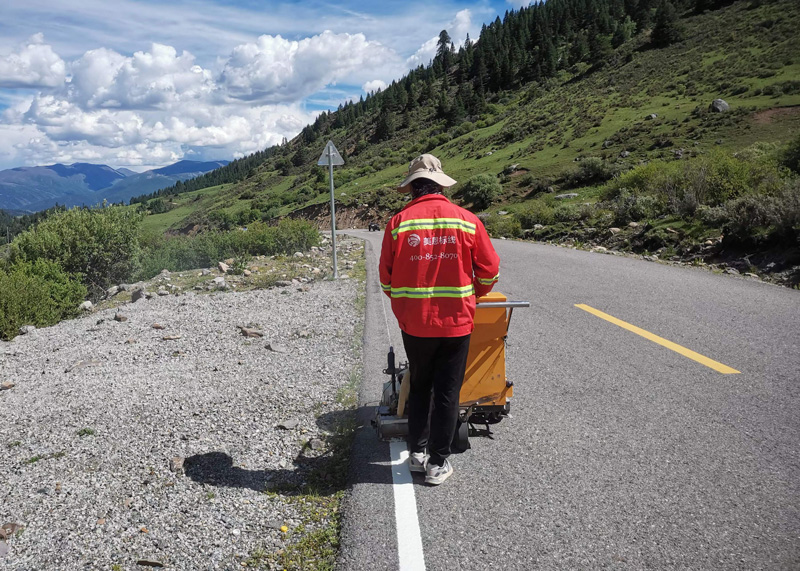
pixel 461 437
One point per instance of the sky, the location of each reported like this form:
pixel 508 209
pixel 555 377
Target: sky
pixel 142 84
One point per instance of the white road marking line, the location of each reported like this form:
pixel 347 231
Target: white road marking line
pixel 409 538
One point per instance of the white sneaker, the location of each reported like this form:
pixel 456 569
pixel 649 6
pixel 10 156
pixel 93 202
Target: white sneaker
pixel 435 475
pixel 417 461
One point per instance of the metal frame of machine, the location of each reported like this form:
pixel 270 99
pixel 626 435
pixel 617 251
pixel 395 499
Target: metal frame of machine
pixel 486 391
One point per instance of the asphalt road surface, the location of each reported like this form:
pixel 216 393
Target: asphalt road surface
pixel 620 453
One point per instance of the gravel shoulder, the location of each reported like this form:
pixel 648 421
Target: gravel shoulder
pixel 122 444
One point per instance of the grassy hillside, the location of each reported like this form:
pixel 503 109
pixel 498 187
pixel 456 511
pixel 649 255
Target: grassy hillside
pixel 568 133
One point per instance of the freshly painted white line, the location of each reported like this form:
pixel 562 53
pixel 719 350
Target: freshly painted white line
pixel 409 539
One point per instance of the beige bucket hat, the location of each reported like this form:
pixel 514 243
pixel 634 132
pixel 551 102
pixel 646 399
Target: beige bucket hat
pixel 426 166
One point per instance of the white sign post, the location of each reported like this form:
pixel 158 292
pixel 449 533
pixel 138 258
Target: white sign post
pixel 330 156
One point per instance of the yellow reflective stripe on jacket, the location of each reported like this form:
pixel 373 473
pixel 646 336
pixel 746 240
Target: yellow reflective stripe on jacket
pixel 436 291
pixel 489 281
pixel 434 224
pixel 386 287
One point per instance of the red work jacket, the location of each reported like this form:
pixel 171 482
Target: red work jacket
pixel 435 258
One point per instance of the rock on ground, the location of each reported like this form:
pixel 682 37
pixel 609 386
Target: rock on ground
pixel 162 451
pixel 719 106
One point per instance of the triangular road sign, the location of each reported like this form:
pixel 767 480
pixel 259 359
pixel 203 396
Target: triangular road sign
pixel 335 158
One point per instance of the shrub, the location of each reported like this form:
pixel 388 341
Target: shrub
pixel 287 237
pixel 536 212
pixel 482 190
pixel 569 213
pixel 222 220
pixel 527 180
pixel 758 152
pixel 628 207
pixel 711 180
pixel 36 293
pixel 439 140
pixel 462 129
pixel 790 158
pixel 239 265
pixel 100 244
pixel 269 214
pixel 720 177
pixel 644 179
pixel 714 216
pixel 591 170
pixel 178 253
pixel 503 226
pixel 753 219
pixel 247 216
pixel 157 206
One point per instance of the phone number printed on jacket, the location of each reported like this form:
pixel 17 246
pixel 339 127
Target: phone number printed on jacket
pixel 429 256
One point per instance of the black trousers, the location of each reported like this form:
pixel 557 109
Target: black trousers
pixel 437 366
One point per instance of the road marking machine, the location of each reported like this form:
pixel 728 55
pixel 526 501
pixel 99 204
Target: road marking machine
pixel 485 393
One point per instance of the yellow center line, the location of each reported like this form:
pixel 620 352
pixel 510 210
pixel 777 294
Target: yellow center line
pixel 719 367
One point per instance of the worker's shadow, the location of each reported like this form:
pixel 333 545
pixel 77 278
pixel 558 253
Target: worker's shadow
pixel 326 472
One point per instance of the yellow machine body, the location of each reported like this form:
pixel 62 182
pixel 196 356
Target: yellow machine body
pixel 485 392
pixel 485 377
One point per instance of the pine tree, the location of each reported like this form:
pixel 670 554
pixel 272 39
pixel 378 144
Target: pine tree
pixel 443 52
pixel 479 69
pixel 456 112
pixel 549 59
pixel 401 97
pixel 579 51
pixel 428 92
pixel 443 106
pixel 385 127
pixel 642 14
pixel 411 96
pixel 388 101
pixel 599 45
pixel 624 32
pixel 666 29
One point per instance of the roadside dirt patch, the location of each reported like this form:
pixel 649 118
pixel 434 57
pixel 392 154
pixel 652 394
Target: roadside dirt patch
pixel 768 116
pixel 346 216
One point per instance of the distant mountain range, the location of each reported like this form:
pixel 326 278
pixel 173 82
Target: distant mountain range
pixel 29 189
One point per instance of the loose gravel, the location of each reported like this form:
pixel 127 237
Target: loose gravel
pixel 102 414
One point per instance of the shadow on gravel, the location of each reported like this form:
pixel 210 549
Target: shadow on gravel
pixel 352 455
pixel 217 469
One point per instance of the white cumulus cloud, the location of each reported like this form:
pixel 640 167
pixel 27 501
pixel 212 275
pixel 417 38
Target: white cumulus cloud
pixel 158 79
pixel 373 86
pixel 160 104
pixel 35 64
pixel 275 70
pixel 460 27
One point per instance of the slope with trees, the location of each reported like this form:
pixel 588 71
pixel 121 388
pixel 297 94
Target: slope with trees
pixel 556 98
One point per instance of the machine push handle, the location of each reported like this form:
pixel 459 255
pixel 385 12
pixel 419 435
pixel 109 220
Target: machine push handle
pixel 508 304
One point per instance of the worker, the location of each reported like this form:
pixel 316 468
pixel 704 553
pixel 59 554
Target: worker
pixel 436 258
